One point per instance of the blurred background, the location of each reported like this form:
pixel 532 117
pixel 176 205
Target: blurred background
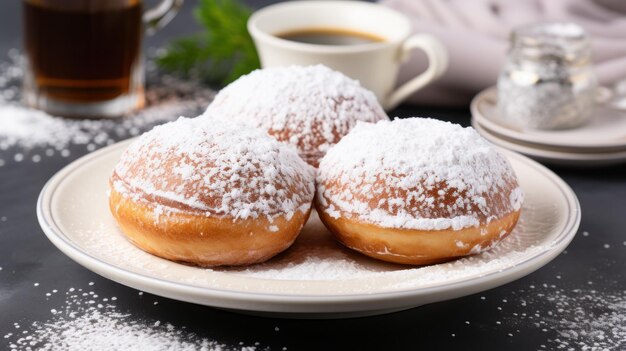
pixel 476 34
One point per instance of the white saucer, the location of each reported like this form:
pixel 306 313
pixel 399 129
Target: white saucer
pixel 606 132
pixel 316 278
pixel 553 156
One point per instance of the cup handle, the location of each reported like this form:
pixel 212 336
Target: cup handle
pixel 160 15
pixel 437 64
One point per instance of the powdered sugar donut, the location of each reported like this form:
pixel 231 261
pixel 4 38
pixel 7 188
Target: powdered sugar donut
pixel 310 107
pixel 417 191
pixel 219 194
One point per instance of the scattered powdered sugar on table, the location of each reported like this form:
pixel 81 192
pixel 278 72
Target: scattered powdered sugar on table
pixel 35 134
pixel 588 319
pixel 310 107
pixel 572 319
pixel 221 168
pixel 417 173
pixel 87 321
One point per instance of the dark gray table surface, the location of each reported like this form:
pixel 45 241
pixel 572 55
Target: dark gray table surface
pixel 499 319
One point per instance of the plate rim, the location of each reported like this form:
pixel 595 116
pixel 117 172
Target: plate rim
pixel 97 265
pixel 596 158
pixel 497 128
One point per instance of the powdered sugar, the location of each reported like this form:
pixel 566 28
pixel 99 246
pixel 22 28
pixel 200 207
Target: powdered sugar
pixel 315 264
pixel 309 107
pixel 318 258
pixel 87 322
pixel 220 169
pixel 572 319
pixel 516 198
pixel 417 173
pixel 35 134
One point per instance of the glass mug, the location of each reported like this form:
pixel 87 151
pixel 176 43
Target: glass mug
pixel 84 57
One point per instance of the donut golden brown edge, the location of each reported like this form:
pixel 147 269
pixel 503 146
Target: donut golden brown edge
pixel 201 240
pixel 417 247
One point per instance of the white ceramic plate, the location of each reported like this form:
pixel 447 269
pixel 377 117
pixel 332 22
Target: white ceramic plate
pixel 552 156
pixel 316 278
pixel 606 132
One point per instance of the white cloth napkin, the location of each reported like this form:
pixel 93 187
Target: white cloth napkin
pixel 476 34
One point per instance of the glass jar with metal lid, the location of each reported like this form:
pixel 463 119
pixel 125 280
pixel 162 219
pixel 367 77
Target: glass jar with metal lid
pixel 548 80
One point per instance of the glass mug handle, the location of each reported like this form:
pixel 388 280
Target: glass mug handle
pixel 160 15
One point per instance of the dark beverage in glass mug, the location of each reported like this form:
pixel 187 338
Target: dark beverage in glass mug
pixel 84 56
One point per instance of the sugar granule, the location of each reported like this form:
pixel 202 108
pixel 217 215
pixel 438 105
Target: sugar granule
pixel 77 326
pixel 417 173
pixel 222 168
pixel 577 319
pixel 310 107
pixel 31 131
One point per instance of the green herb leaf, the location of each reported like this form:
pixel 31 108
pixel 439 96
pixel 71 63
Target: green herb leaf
pixel 223 52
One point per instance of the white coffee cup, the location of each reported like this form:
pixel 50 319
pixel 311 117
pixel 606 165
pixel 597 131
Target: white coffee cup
pixel 374 64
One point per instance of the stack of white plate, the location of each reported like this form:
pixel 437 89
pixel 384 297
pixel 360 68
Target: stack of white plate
pixel 600 142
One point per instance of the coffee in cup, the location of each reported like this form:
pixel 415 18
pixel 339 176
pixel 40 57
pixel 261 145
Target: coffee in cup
pixel 365 41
